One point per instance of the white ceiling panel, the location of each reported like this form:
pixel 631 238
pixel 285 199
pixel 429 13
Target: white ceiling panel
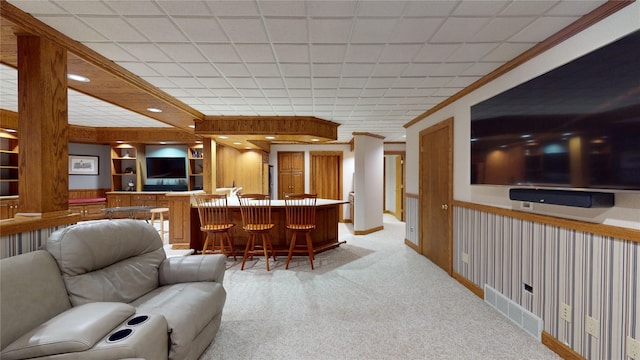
pixel 367 65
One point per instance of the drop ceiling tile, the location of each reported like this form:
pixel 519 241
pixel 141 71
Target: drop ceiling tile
pixel 233 8
pixel 185 81
pixel 459 29
pixel 215 82
pixel 526 8
pixel 353 82
pixel 429 8
pixel 471 52
pixel 480 69
pixel 292 53
pixel 264 70
pixel 200 93
pixel 182 52
pixel 298 82
pixel 326 93
pixel 363 53
pixel 331 31
pixel 160 82
pixel 177 93
pixel 480 7
pixel 408 82
pixel 321 53
pixel 275 93
pixel 326 82
pixel 500 29
pixel 415 30
pixel 348 92
pixel 463 81
pixel 73 28
pixel 253 94
pixel 178 8
pixel 233 69
pixel 224 53
pixel 450 69
pixel 436 81
pixel 327 70
pixel 574 8
pixel 249 30
pixel 435 52
pixel 380 82
pixel 243 82
pixel 301 93
pixel 157 29
pixel 255 53
pixel 399 52
pixel 295 69
pixel 542 28
pixel 373 93
pixel 270 82
pixel 226 94
pixel 283 8
pixel 136 7
pixel 325 101
pixel 200 69
pixel 357 70
pixel 380 8
pixel 393 70
pixel 112 28
pixel 146 52
pixel 372 31
pixel 336 9
pixel 419 69
pixel 201 29
pixel 168 69
pixel 287 30
pixel 85 7
pixel 36 7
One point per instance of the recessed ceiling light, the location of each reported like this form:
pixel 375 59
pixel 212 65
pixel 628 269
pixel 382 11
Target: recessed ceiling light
pixel 270 137
pixel 154 110
pixel 223 137
pixel 78 78
pixel 237 143
pixel 248 147
pixel 10 130
pixel 192 126
pixel 314 139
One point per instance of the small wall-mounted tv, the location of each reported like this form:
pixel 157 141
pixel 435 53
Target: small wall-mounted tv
pixel 577 126
pixel 166 168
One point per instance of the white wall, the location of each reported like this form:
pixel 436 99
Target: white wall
pixel 390 183
pixel 369 182
pixel 100 181
pixel 626 213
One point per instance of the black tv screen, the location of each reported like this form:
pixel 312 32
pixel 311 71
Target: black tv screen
pixel 166 168
pixel 577 126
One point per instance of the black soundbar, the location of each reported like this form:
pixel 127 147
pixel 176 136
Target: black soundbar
pixel 577 198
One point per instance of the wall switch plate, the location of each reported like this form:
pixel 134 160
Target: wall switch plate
pixel 465 257
pixel 633 348
pixel 592 326
pixel 565 312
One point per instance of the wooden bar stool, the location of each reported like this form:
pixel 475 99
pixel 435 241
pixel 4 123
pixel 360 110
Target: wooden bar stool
pixel 301 219
pixel 256 219
pixel 215 222
pixel 159 212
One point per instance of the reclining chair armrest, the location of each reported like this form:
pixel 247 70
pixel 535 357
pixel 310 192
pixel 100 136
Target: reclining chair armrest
pixel 192 268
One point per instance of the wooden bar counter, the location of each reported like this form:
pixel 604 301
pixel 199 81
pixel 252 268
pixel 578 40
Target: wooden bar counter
pixel 184 224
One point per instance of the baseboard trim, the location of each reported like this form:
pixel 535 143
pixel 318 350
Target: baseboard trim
pixel 548 340
pixel 560 348
pixel 411 245
pixel 469 284
pixel 368 231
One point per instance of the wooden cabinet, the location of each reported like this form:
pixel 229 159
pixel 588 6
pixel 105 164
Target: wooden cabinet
pixel 90 211
pixel 8 164
pixel 290 173
pixel 118 200
pixel 142 199
pixel 121 199
pixel 196 167
pixel 8 207
pixel 126 168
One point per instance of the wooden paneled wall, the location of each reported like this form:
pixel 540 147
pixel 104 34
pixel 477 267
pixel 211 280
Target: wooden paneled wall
pixel 244 168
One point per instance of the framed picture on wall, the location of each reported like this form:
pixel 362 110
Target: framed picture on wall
pixel 83 165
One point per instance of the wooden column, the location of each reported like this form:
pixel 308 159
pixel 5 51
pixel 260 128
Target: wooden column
pixel 209 165
pixel 42 118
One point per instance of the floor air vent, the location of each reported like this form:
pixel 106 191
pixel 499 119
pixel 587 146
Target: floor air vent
pixel 514 312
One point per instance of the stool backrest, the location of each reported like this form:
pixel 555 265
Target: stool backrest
pixel 256 211
pixel 300 209
pixel 212 209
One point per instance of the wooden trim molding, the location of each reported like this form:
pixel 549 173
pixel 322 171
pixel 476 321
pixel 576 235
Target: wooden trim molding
pixel 368 134
pixel 412 245
pixel 559 348
pixel 368 231
pixel 21 224
pixel 412 195
pixel 600 229
pixel 579 25
pixel 469 285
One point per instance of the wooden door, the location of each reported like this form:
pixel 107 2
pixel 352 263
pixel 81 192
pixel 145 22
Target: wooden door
pixel 436 169
pixel 326 174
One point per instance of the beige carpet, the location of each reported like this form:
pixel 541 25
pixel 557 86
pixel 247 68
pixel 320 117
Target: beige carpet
pixel 371 298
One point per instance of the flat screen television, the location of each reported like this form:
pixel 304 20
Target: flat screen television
pixel 577 126
pixel 166 168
